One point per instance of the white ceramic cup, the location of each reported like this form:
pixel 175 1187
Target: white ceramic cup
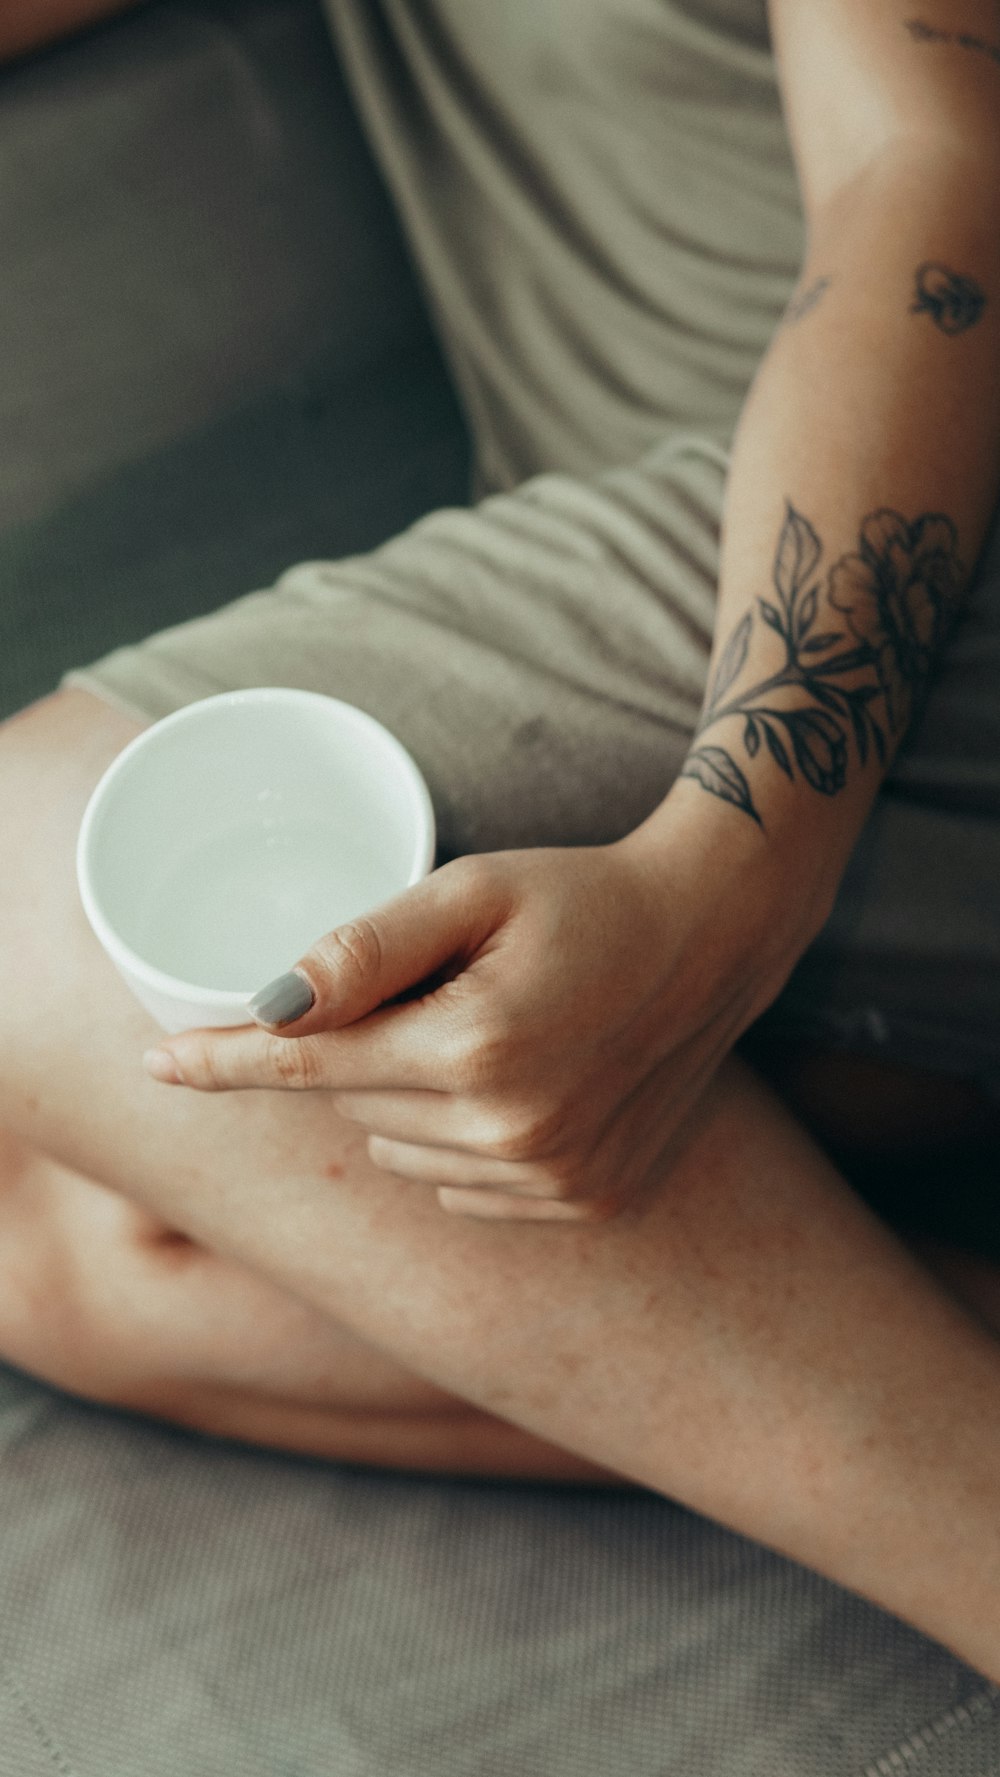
pixel 230 836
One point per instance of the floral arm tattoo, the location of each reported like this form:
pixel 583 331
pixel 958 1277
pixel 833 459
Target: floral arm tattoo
pixel 859 642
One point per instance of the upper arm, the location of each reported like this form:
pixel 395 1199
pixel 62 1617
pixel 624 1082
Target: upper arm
pixel 861 76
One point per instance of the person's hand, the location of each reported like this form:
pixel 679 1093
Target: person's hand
pixel 570 1007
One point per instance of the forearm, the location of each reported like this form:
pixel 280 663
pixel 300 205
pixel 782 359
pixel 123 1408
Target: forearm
pixel 31 24
pixel 879 394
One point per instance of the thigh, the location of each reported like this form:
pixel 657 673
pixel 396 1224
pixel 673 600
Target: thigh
pixel 105 1301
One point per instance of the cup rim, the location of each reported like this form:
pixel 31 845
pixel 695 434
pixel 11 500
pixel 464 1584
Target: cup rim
pixel 158 980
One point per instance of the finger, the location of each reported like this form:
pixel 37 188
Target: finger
pixel 400 1048
pixel 430 1119
pixel 356 968
pixel 445 1166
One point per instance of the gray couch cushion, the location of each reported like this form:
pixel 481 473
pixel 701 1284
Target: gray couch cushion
pixel 175 1607
pixel 216 357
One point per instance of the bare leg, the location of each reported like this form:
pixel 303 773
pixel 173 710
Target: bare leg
pixel 749 1340
pixel 107 1302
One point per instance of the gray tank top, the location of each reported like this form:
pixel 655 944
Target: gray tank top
pixel 601 200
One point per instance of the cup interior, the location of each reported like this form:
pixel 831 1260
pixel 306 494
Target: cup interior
pixel 229 837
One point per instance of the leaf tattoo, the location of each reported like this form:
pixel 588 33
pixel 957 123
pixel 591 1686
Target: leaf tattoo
pixel 895 595
pixel 799 549
pixel 733 656
pixel 718 773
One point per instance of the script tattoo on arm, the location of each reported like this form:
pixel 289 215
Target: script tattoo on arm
pixel 921 32
pixel 952 301
pixel 859 641
pixel 802 301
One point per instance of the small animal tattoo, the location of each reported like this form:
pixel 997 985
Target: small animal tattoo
pixel 952 301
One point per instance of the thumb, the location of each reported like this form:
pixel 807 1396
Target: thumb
pixel 371 959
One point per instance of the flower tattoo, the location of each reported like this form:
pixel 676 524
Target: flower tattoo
pixel 953 302
pixel 896 595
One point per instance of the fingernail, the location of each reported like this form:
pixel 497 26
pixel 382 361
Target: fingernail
pixel 161 1064
pixel 283 1000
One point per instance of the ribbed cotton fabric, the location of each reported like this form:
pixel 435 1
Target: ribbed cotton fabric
pixel 601 198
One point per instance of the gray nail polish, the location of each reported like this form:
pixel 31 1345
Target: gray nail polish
pixel 283 1000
